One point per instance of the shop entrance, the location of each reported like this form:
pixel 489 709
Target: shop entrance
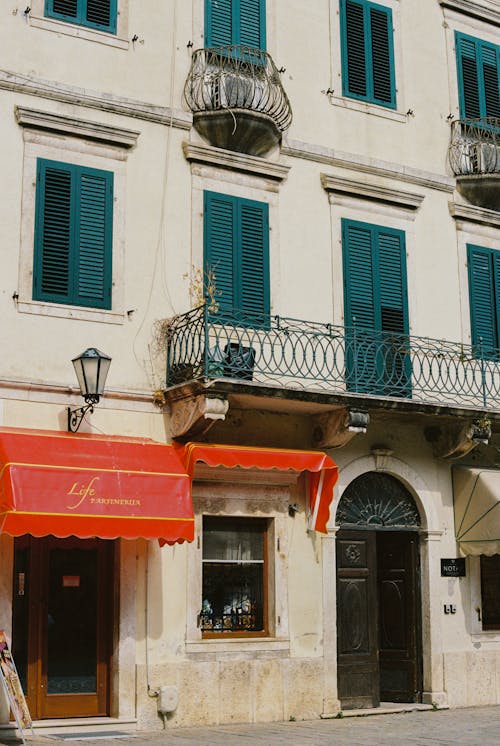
pixel 62 624
pixel 378 594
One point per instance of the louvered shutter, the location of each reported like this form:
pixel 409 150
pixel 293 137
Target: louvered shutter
pixel 253 285
pixel 484 291
pixel 382 55
pixel 66 8
pixel 93 232
pixel 491 79
pixel 219 29
pixel 252 23
pixel 354 74
pixel 219 246
pixel 53 233
pixel 73 235
pixel 99 14
pixel 467 62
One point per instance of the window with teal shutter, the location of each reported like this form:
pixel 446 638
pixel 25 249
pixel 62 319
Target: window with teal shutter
pixel 367 51
pixel 376 309
pixel 484 295
pixel 478 69
pixel 236 248
pixel 229 22
pixel 98 14
pixel 73 235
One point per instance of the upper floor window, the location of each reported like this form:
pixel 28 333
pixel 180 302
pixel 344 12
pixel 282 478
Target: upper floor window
pixel 73 235
pixel 232 22
pixel 96 14
pixel 236 249
pixel 478 67
pixel 367 51
pixel 484 293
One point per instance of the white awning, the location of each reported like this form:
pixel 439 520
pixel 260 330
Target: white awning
pixel 476 498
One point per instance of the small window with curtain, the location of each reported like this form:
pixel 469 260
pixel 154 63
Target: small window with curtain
pixel 73 235
pixel 490 592
pixel 234 595
pixel 95 14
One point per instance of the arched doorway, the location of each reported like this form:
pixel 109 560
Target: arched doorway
pixel 378 594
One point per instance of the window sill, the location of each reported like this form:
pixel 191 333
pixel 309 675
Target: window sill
pixel 486 636
pixel 70 312
pixel 81 32
pixel 237 644
pixel 366 108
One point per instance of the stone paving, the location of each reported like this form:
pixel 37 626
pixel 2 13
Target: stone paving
pixel 466 727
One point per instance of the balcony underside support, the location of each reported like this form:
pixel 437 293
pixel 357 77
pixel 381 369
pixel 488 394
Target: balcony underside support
pixel 456 442
pixel 338 428
pixel 482 190
pixel 238 130
pixel 194 416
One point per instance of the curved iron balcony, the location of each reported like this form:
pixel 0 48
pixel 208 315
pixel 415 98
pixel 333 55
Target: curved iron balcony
pixel 474 156
pixel 310 356
pixel 237 99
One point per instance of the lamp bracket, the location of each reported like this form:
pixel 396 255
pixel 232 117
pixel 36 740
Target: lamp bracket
pixel 75 416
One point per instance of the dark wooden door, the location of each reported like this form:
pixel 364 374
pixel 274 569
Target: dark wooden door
pixel 357 620
pixel 62 624
pixel 399 620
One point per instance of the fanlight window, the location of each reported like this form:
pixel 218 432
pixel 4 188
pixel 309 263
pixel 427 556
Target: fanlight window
pixel 378 501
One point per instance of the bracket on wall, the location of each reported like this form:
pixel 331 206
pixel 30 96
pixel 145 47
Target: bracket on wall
pixel 456 442
pixel 335 429
pixel 194 416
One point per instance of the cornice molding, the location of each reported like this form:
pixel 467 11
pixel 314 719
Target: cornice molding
pixel 355 162
pixel 482 10
pixel 249 164
pixel 396 197
pixel 472 214
pixel 105 102
pixel 53 393
pixel 43 120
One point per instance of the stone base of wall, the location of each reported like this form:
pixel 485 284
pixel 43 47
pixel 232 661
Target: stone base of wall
pixel 472 678
pixel 234 691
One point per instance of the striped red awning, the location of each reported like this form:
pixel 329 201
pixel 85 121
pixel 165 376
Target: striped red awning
pixel 89 485
pixel 322 469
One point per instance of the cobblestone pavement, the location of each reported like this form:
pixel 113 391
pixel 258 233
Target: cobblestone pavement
pixel 467 727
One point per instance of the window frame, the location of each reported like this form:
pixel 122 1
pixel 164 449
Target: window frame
pixel 369 97
pixel 263 524
pixel 43 164
pixel 479 45
pixel 81 20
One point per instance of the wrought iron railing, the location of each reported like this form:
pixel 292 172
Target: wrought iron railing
pixel 237 77
pixel 475 146
pixel 293 354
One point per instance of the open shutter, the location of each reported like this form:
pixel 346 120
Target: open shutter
pixel 484 289
pixel 354 52
pixel 219 245
pixel 94 238
pixel 253 285
pixel 219 31
pixel 382 55
pixel 53 234
pixel 252 23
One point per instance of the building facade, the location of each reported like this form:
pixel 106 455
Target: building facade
pixel 286 503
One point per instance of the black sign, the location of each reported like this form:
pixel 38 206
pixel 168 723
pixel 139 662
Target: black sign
pixel 453 568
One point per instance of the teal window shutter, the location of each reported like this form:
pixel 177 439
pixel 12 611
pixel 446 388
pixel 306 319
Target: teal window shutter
pixel 98 14
pixel 73 235
pixel 478 71
pixel 376 309
pixel 484 295
pixel 236 249
pixel 229 22
pixel 367 51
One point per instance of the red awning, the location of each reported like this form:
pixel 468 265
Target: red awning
pixel 323 471
pixel 89 485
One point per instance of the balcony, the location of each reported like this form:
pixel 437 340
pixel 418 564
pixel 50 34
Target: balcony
pixel 322 364
pixel 474 156
pixel 237 99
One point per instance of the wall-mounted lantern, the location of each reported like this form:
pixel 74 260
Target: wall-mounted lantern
pixel 91 368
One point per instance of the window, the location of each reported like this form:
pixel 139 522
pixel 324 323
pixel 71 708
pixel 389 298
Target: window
pixel 375 309
pixel 97 14
pixel 490 591
pixel 234 577
pixel 478 67
pixel 73 235
pixel 367 52
pixel 230 22
pixel 484 294
pixel 236 249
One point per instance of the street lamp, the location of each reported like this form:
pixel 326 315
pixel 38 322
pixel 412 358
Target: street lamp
pixel 91 368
